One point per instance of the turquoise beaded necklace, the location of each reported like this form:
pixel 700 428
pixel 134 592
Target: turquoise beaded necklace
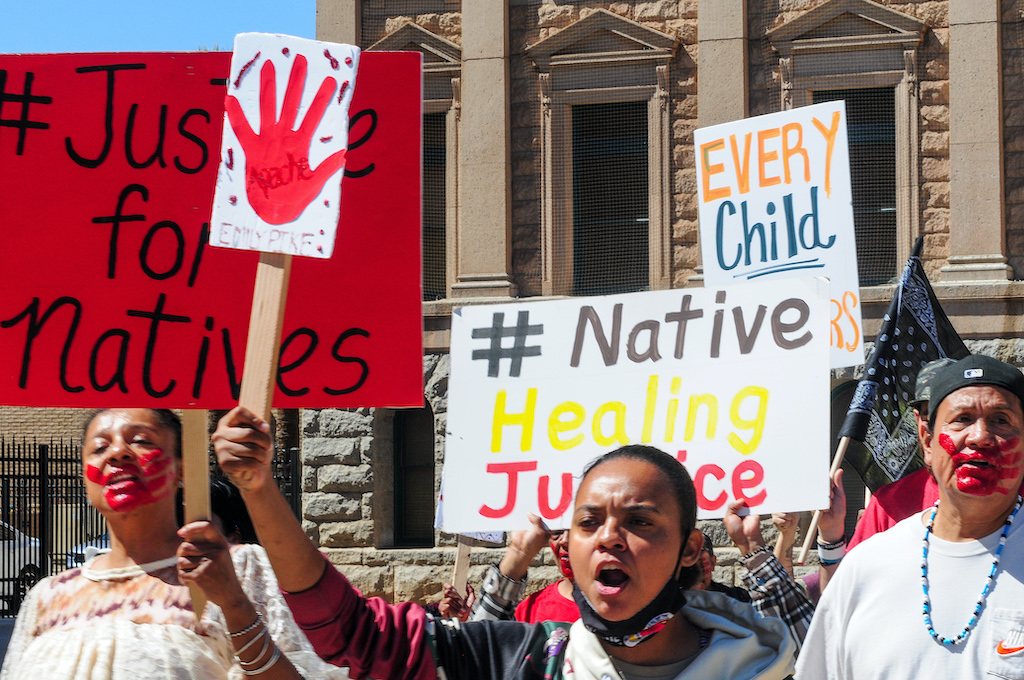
pixel 984 591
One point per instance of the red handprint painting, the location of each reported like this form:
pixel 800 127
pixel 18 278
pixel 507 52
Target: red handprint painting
pixel 284 144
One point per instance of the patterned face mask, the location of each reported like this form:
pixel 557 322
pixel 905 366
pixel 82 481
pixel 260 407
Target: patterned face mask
pixel 637 628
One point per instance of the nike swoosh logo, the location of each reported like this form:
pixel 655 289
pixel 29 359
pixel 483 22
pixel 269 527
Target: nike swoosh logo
pixel 1006 651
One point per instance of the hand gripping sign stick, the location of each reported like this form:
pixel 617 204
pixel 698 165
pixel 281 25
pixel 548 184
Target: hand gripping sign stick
pixel 275 194
pixel 812 530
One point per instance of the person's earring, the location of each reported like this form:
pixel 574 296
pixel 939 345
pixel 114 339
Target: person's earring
pixel 88 501
pixel 181 484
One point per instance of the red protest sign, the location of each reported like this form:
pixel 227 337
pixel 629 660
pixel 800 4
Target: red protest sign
pixel 111 294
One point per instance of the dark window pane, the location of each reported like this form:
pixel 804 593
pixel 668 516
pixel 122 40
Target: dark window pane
pixel 610 203
pixel 871 128
pixel 414 478
pixel 434 164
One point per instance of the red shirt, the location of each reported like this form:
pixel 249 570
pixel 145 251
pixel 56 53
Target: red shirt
pixel 896 502
pixel 547 605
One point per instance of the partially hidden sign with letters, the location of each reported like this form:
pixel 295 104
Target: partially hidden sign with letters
pixel 774 201
pixel 111 293
pixel 732 381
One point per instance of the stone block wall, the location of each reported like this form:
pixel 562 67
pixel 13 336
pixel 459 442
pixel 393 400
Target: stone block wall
pixel 348 495
pixel 43 424
pixel 382 17
pixel 1013 130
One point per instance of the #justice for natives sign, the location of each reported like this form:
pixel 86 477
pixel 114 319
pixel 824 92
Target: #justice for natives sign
pixel 732 381
pixel 111 293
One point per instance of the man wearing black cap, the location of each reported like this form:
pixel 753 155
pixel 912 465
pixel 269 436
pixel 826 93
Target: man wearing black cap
pixel 941 593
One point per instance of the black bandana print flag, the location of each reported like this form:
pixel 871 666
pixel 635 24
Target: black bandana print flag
pixel 880 422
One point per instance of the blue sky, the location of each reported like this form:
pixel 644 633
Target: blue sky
pixel 145 25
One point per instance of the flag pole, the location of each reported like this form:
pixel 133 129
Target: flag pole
pixel 812 530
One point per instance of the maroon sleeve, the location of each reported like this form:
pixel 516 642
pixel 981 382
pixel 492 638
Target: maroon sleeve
pixel 367 635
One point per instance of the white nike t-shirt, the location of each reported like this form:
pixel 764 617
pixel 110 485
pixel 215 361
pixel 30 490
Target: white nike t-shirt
pixel 869 622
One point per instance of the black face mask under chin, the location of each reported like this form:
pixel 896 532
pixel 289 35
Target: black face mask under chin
pixel 637 628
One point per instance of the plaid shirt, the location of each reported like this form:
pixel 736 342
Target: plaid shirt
pixel 498 597
pixel 775 593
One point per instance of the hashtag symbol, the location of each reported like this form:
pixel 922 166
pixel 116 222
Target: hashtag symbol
pixel 495 353
pixel 26 99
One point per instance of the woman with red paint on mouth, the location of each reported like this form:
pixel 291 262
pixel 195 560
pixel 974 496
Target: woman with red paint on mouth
pixel 940 594
pixel 632 548
pixel 126 614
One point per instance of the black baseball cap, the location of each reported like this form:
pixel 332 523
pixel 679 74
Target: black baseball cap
pixel 923 384
pixel 975 369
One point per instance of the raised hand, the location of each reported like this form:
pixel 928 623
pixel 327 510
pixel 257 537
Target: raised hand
pixel 278 180
pixel 745 532
pixel 787 523
pixel 204 558
pixel 831 527
pixel 453 605
pixel 523 546
pixel 244 449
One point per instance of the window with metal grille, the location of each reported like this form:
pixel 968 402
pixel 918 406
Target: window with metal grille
pixel 414 478
pixel 610 202
pixel 434 206
pixel 871 129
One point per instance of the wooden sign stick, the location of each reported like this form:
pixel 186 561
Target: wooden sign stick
pixel 257 390
pixel 462 564
pixel 812 530
pixel 261 349
pixel 195 454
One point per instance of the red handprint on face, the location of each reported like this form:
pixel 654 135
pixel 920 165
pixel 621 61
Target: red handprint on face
pixel 278 179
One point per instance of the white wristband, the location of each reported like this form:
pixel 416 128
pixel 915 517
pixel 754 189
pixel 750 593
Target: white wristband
pixel 831 555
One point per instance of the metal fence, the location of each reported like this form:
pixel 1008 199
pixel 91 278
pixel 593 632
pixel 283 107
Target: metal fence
pixel 46 524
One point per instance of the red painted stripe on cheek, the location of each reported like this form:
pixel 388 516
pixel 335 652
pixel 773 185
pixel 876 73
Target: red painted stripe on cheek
pixel 156 485
pixel 1014 458
pixel 1009 445
pixel 946 442
pixel 146 457
pixel 155 467
pixel 93 474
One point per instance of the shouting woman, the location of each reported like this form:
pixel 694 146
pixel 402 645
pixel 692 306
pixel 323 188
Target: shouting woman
pixel 632 548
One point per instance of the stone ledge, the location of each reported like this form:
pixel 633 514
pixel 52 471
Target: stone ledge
pixel 978 310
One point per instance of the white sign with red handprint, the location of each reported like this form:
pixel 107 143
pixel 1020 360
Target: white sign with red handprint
pixel 284 144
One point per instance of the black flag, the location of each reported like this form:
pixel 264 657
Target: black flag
pixel 914 331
